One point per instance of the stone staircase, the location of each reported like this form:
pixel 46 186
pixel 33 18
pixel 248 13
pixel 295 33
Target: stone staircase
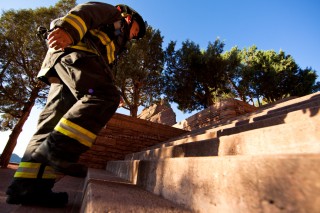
pixel 266 161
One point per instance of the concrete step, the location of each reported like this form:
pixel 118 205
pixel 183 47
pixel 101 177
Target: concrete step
pixel 266 183
pixel 274 168
pixel 304 104
pixel 104 192
pixel 294 132
pixel 291 102
pixel 208 147
pixel 282 106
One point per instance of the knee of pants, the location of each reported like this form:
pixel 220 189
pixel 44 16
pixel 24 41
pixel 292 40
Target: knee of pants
pixel 99 107
pixel 111 104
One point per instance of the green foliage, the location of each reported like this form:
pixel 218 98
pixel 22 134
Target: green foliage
pixel 270 76
pixel 304 82
pixel 7 122
pixel 21 58
pixel 64 6
pixel 138 71
pixel 316 87
pixel 194 78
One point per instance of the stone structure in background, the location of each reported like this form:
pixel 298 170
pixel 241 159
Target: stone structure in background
pixel 219 112
pixel 124 135
pixel 159 113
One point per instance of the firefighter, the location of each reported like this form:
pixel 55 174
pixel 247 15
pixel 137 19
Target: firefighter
pixel 82 97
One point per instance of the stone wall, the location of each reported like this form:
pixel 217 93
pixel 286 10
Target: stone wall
pixel 159 113
pixel 219 112
pixel 123 135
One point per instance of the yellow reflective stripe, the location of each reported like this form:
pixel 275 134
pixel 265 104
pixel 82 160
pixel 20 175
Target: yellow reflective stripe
pixel 27 170
pixel 110 51
pixel 49 173
pixel 78 128
pixel 76 132
pixel 72 135
pixel 29 165
pixel 31 170
pixel 105 40
pixel 25 175
pixel 82 46
pixel 77 23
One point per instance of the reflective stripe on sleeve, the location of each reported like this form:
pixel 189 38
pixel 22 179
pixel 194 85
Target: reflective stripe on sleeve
pixel 77 23
pixel 105 40
pixel 83 46
pixel 76 132
pixel 110 51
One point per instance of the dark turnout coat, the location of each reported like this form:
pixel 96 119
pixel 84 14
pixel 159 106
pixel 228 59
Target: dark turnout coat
pixel 92 29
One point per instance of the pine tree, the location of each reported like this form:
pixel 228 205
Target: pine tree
pixel 138 71
pixel 21 56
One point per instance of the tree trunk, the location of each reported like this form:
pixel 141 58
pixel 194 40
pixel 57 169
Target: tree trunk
pixel 134 111
pixel 12 141
pixel 209 97
pixel 136 97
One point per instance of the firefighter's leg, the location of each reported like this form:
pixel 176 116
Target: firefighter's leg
pixel 76 131
pixel 33 181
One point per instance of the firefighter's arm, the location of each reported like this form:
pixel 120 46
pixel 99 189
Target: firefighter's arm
pixel 59 39
pixel 87 16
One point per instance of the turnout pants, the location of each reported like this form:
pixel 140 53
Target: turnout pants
pixel 82 98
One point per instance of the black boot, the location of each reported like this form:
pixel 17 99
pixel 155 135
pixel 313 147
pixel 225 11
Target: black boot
pixel 49 199
pixel 35 192
pixel 45 154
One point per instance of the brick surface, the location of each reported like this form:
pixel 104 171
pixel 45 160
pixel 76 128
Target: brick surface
pixel 124 135
pixel 219 112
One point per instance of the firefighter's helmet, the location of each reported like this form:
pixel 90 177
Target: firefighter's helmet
pixel 126 12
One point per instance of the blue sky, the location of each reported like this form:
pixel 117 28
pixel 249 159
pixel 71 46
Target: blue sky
pixel 288 25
